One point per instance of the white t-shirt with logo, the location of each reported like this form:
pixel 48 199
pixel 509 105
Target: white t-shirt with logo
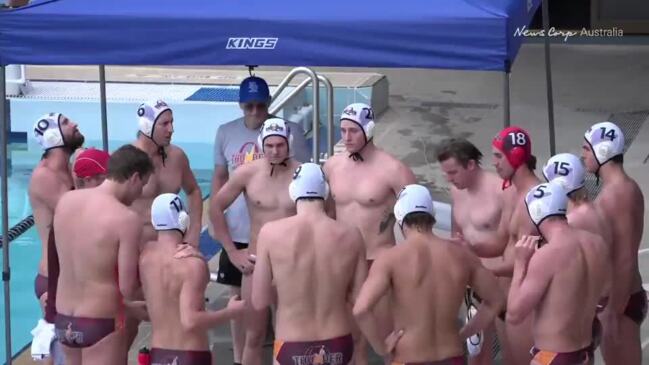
pixel 234 145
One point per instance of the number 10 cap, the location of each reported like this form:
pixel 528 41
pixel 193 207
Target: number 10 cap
pixel 546 200
pixel 606 140
pixel 567 170
pixel 168 213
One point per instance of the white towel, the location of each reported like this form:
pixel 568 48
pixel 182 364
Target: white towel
pixel 43 336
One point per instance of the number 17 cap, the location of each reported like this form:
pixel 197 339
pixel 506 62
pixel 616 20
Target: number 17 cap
pixel 168 213
pixel 567 170
pixel 606 140
pixel 546 200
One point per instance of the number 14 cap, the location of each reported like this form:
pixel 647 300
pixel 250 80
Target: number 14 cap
pixel 546 200
pixel 168 213
pixel 567 170
pixel 606 140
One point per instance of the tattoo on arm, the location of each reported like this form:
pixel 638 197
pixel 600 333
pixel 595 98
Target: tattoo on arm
pixel 387 222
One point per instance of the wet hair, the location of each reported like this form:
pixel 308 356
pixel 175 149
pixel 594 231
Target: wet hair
pixel 310 199
pixel 618 159
pixel 126 161
pixel 422 222
pixel 460 149
pixel 531 163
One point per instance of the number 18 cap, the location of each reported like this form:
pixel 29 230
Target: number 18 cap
pixel 168 213
pixel 546 200
pixel 606 140
pixel 567 170
pixel 515 143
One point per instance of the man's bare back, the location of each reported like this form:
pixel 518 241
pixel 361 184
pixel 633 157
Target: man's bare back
pixel 426 278
pixel 364 194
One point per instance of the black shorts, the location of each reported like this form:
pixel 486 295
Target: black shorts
pixel 228 273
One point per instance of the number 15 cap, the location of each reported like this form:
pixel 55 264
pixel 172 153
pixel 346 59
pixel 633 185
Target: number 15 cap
pixel 168 213
pixel 606 140
pixel 567 170
pixel 515 143
pixel 546 200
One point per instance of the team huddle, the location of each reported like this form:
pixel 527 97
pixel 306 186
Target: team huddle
pixel 550 273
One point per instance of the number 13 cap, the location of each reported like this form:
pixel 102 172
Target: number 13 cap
pixel 515 143
pixel 546 200
pixel 168 213
pixel 606 140
pixel 567 170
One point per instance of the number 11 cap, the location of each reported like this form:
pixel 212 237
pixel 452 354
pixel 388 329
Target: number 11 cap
pixel 606 140
pixel 546 200
pixel 567 170
pixel 168 213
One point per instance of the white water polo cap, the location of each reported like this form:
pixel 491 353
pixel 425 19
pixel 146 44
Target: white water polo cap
pixel 546 200
pixel 606 140
pixel 567 170
pixel 275 127
pixel 308 182
pixel 148 114
pixel 47 131
pixel 168 213
pixel 361 114
pixel 413 198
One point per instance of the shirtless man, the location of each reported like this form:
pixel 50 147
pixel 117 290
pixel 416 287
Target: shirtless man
pixel 235 144
pixel 317 265
pixel 59 137
pixel 561 282
pixel 174 290
pixel 172 170
pixel 621 203
pixel 479 218
pixel 515 164
pixel 364 185
pixel 264 183
pixel 97 240
pixel 426 278
pixel 569 172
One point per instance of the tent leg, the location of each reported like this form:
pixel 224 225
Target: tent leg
pixel 104 118
pixel 506 107
pixel 548 76
pixel 5 213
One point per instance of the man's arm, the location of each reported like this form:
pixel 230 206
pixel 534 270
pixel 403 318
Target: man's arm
pixel 129 254
pixel 624 254
pixel 375 287
pixel 193 315
pixel 330 204
pixel 219 202
pixel 485 284
pixel 47 188
pixel 529 283
pixel 262 277
pixel 195 200
pixel 360 273
pixel 403 176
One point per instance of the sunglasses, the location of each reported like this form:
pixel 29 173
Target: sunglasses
pixel 251 106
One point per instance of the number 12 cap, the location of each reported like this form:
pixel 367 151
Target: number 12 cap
pixel 168 213
pixel 567 170
pixel 546 200
pixel 606 140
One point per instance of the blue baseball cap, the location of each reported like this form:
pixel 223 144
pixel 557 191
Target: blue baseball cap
pixel 254 89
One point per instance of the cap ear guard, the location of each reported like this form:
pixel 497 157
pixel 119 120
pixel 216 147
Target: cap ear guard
pixel 183 221
pixel 148 114
pixel 168 213
pixel 606 140
pixel 267 132
pixel 47 131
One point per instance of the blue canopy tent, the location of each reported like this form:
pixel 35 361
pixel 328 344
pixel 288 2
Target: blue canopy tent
pixel 445 34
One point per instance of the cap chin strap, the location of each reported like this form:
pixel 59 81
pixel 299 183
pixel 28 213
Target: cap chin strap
pixel 161 150
pixel 356 156
pixel 283 163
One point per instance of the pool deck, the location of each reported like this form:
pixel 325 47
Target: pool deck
pixel 591 83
